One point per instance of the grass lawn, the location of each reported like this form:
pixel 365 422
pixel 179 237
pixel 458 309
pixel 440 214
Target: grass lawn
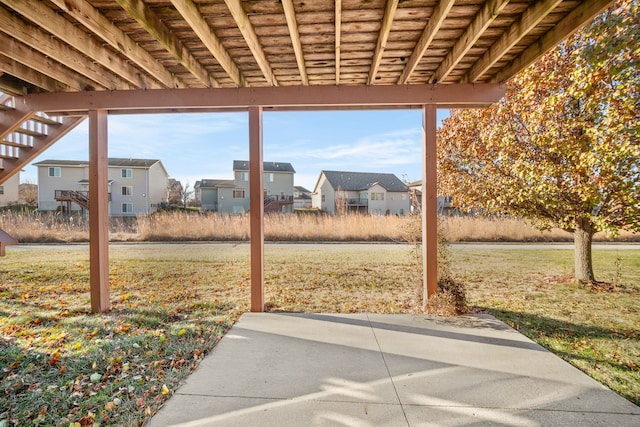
pixel 60 365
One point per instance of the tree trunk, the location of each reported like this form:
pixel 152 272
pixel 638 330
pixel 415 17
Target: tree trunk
pixel 582 237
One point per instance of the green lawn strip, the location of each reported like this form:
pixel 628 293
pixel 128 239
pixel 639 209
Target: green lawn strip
pixel 59 364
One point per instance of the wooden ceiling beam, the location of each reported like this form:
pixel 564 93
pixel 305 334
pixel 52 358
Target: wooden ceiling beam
pixel 290 15
pixel 29 75
pixel 519 29
pixel 385 29
pixel 13 49
pixel 251 38
pixel 338 25
pixel 44 17
pixel 87 15
pixel 199 25
pixel 159 31
pixel 55 49
pixel 290 97
pixel 485 16
pixel 568 25
pixel 435 22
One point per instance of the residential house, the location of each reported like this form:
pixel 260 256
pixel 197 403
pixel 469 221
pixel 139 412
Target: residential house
pixel 136 186
pixel 10 191
pixel 444 202
pixel 301 198
pixel 232 196
pixel 215 194
pixel 364 192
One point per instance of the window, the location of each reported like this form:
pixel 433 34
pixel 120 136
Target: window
pixel 127 207
pixel 244 176
pixel 268 177
pixel 377 196
pixel 1 189
pixel 55 172
pixel 127 173
pixel 324 197
pixel 127 190
pixel 238 193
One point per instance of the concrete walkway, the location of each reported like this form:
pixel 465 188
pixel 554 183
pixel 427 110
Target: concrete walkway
pixel 276 369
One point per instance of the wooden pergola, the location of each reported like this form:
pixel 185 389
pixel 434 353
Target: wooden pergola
pixel 64 60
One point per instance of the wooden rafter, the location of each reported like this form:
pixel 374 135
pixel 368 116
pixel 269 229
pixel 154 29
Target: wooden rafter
pixel 435 22
pixel 571 23
pixel 338 25
pixel 290 15
pixel 158 30
pixel 251 38
pixel 385 29
pixel 55 49
pixel 485 16
pixel 46 18
pixel 28 74
pixel 199 25
pixel 42 64
pixel 88 16
pixel 530 18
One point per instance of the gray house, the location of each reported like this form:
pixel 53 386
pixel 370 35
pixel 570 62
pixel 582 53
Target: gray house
pixel 232 196
pixel 363 192
pixel 136 186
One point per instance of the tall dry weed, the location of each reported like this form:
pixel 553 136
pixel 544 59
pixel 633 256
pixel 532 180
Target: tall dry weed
pixel 34 227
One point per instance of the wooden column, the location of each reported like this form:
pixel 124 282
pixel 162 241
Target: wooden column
pixel 98 211
pixel 256 208
pixel 429 203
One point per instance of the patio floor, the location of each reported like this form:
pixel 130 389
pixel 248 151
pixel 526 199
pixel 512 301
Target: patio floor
pixel 284 369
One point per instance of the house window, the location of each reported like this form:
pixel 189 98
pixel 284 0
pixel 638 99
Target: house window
pixel 1 189
pixel 127 173
pixel 127 190
pixel 323 197
pixel 127 208
pixel 377 196
pixel 268 177
pixel 55 172
pixel 244 176
pixel 238 193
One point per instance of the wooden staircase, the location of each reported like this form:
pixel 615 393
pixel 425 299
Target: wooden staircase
pixel 25 134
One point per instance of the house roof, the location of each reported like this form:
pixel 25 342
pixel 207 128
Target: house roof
pixel 115 162
pixel 301 189
pixel 359 181
pixel 243 165
pixel 216 183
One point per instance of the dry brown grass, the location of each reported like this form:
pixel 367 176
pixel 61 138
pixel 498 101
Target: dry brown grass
pixel 180 226
pixel 503 229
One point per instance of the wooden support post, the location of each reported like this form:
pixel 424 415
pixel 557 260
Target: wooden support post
pixel 98 211
pixel 256 208
pixel 429 203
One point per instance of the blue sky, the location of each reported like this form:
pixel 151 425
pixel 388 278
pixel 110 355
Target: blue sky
pixel 197 146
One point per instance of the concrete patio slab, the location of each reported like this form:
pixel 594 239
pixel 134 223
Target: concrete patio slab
pixel 283 369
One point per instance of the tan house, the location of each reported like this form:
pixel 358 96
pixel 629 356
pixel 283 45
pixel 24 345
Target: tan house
pixel 362 192
pixel 10 191
pixel 136 186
